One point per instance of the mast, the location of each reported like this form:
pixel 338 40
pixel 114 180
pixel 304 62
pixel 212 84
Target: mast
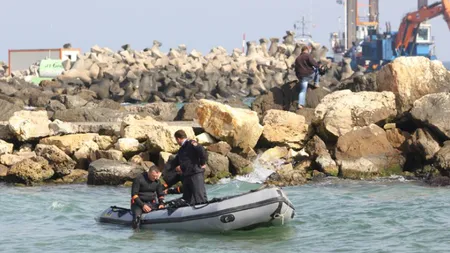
pixel 346 26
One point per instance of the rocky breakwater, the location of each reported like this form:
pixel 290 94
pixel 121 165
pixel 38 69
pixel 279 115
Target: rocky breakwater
pixel 3 69
pixel 39 150
pixel 396 128
pixel 357 135
pixel 150 75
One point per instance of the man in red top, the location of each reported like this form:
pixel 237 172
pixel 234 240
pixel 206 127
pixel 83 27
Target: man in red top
pixel 306 69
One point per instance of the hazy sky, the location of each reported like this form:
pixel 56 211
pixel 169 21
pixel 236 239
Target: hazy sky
pixel 200 24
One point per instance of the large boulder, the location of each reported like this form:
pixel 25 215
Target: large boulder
pixel 285 128
pixel 314 96
pixel 68 143
pixel 11 159
pixel 76 176
pixel 55 105
pixel 5 147
pixel 5 131
pixel 30 171
pixel 411 78
pixel 72 101
pixel 424 142
pixel 318 152
pixel 434 110
pixel 398 138
pixel 218 166
pixel 160 137
pixel 83 154
pixel 366 152
pixel 239 165
pixel 221 147
pixel 7 89
pixel 85 114
pixel 58 127
pixel 7 110
pixel 164 158
pixel 187 112
pixel 341 111
pixel 27 125
pixel 288 175
pixel 273 100
pixel 275 154
pixel 136 126
pixel 109 172
pixel 127 145
pixel 3 171
pixel 160 111
pixel 238 127
pixel 105 142
pixel 271 159
pixel 442 161
pixel 61 163
pixel 111 154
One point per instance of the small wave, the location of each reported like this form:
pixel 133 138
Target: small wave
pixel 224 181
pixel 56 205
pixel 258 176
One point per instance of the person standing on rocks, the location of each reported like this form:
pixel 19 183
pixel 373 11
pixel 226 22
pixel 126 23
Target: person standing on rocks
pixel 147 194
pixel 190 162
pixel 306 69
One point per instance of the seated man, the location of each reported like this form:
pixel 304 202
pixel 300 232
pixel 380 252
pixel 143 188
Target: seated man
pixel 147 194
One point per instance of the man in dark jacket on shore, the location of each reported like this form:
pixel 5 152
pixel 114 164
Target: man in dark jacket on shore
pixel 190 162
pixel 306 69
pixel 147 194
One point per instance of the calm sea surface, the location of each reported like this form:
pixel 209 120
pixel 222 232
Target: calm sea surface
pixel 332 216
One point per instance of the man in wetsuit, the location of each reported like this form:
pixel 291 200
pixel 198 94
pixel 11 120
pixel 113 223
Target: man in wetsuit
pixel 147 194
pixel 190 162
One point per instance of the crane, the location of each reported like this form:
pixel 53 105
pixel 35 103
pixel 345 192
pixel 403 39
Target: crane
pixel 409 27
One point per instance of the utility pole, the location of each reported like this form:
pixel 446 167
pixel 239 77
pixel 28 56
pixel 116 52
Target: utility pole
pixel 346 26
pixel 301 25
pixel 344 2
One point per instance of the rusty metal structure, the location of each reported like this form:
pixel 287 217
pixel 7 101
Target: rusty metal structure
pixel 421 3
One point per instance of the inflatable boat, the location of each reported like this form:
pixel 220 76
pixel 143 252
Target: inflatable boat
pixel 262 207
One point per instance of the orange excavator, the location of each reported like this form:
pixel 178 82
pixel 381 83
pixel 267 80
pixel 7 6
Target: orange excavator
pixel 406 38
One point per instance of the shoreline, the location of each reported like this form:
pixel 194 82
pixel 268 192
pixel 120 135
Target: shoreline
pixel 107 125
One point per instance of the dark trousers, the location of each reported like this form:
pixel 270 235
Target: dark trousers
pixel 194 191
pixel 137 210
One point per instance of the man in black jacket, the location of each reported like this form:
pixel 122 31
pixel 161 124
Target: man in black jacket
pixel 306 69
pixel 190 162
pixel 147 194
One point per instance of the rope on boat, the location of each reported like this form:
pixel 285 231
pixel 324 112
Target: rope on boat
pixel 281 216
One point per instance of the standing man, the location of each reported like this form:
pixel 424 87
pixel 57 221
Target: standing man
pixel 147 194
pixel 306 69
pixel 190 162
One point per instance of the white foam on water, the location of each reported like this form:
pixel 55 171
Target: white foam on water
pixel 397 177
pixel 224 181
pixel 258 176
pixel 262 170
pixel 57 205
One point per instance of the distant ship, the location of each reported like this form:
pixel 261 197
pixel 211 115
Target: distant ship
pixel 337 47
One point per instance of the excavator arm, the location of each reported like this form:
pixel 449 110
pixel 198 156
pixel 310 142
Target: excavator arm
pixel 411 22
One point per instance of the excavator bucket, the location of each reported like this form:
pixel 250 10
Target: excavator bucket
pixel 446 11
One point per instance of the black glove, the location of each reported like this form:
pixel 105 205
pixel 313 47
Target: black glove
pixel 175 190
